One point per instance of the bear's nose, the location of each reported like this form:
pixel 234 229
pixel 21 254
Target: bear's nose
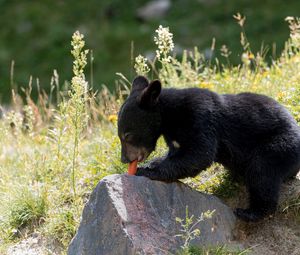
pixel 124 159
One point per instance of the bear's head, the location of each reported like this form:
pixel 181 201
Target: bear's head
pixel 139 120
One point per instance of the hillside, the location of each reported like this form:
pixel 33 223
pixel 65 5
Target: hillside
pixel 36 34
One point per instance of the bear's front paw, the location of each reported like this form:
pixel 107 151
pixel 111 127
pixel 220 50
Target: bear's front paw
pixel 248 215
pixel 156 163
pixel 145 171
pixel 154 174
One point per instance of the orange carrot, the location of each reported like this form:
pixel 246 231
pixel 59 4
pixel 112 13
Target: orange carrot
pixel 132 167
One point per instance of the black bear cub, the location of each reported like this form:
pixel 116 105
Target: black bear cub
pixel 252 135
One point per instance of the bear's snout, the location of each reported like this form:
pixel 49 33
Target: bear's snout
pixel 130 153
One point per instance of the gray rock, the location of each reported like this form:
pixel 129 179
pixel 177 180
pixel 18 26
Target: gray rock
pixel 134 215
pixel 155 9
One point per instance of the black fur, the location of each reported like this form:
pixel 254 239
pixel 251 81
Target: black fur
pixel 251 135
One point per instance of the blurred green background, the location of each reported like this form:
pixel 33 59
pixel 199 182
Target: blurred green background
pixel 37 34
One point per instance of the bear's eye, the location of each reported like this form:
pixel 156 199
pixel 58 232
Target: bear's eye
pixel 128 137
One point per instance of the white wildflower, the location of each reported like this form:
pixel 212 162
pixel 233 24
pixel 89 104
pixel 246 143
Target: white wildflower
pixel 79 54
pixel 245 59
pixel 141 66
pixel 164 42
pixel 294 25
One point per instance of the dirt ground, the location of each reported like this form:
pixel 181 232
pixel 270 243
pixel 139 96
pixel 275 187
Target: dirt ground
pixel 35 245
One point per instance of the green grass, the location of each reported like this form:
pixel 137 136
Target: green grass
pixel 61 226
pixel 44 184
pixel 25 209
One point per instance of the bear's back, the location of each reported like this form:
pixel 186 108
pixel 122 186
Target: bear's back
pixel 253 117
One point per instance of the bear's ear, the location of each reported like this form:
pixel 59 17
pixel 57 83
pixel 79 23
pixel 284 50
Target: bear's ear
pixel 139 84
pixel 150 94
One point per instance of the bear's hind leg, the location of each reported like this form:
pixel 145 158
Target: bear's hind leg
pixel 263 187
